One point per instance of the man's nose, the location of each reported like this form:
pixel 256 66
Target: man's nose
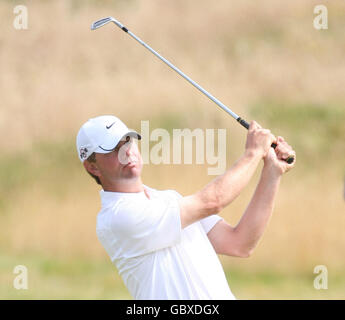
pixel 129 150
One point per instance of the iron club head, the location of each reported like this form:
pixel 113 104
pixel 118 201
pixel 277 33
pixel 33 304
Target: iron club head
pixel 100 23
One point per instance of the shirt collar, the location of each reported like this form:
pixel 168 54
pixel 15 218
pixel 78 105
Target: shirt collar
pixel 109 197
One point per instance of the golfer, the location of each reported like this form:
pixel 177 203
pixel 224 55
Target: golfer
pixel 165 245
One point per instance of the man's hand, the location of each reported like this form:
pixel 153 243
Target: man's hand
pixel 275 158
pixel 259 140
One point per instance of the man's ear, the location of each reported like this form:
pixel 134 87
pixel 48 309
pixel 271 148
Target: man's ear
pixel 91 167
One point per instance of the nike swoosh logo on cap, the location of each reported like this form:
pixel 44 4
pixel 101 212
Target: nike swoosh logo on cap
pixel 108 127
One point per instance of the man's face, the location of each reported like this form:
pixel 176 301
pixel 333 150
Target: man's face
pixel 123 163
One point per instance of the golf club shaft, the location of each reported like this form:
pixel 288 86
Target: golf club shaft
pixel 207 94
pixel 244 123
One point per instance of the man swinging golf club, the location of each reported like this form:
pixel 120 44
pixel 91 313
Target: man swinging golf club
pixel 165 245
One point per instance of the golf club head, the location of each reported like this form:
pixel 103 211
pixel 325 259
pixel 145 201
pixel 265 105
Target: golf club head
pixel 100 23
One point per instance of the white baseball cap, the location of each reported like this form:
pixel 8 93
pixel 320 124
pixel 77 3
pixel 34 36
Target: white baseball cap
pixel 101 135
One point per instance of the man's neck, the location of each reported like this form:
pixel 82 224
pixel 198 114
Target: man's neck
pixel 127 186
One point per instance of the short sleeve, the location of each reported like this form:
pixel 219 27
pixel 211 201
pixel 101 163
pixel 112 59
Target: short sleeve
pixel 209 222
pixel 141 227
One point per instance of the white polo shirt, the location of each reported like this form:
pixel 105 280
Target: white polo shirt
pixel 155 257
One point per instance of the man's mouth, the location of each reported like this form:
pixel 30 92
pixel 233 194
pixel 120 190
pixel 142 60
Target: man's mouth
pixel 131 164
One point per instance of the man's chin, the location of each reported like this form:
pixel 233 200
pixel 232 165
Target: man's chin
pixel 132 169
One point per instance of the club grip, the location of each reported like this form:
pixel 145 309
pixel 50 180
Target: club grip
pixel 244 123
pixel 289 159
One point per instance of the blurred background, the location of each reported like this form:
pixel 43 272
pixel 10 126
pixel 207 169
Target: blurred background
pixel 264 60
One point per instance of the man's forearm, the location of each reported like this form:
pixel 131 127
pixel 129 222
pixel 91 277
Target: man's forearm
pixel 255 218
pixel 225 188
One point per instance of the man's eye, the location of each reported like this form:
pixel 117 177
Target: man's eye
pixel 117 148
pixel 127 142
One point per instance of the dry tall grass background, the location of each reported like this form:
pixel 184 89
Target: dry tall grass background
pixel 265 60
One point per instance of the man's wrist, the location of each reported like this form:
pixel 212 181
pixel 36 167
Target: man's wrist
pixel 271 171
pixel 252 154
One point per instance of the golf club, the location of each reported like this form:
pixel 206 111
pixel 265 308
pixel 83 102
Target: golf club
pixel 102 22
